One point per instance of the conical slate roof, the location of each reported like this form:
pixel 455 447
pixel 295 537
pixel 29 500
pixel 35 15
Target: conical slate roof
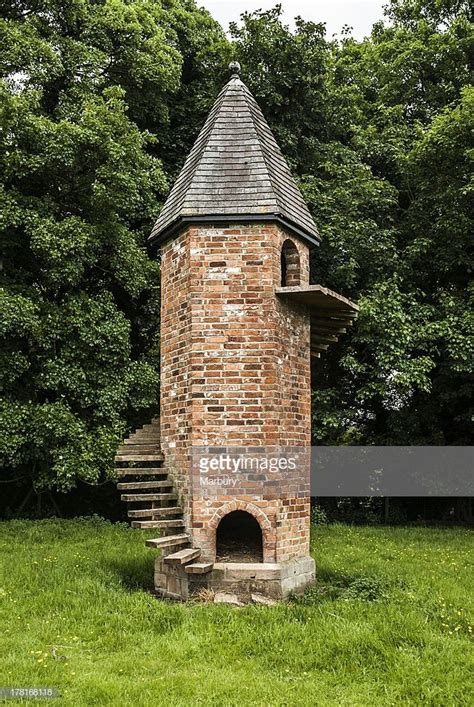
pixel 235 172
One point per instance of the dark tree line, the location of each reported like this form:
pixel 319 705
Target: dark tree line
pixel 100 104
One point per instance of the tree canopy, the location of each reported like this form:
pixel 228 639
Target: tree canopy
pixel 88 108
pixel 100 104
pixel 380 134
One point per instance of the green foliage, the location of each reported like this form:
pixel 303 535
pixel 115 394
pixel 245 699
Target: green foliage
pixel 361 588
pixel 319 516
pixel 84 86
pixel 99 105
pixel 380 134
pixel 365 589
pixel 361 511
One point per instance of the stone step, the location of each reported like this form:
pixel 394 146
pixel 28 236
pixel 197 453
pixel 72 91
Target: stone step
pixel 143 485
pixel 131 498
pixel 152 513
pixel 151 426
pixel 332 314
pixel 168 541
pixel 323 338
pixel 140 471
pixel 315 330
pixel 133 448
pixel 144 524
pixel 199 567
pixel 138 457
pixel 328 323
pixel 182 557
pixel 139 438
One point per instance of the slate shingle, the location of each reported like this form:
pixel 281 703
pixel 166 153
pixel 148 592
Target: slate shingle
pixel 235 171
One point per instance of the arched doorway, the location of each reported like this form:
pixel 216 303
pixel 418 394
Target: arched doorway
pixel 239 538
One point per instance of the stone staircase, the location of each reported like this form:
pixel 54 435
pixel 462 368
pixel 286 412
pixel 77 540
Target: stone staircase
pixel 326 329
pixel 152 498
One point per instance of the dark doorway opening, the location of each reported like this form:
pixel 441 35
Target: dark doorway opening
pixel 290 265
pixel 239 538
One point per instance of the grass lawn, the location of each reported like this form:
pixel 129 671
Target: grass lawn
pixel 387 623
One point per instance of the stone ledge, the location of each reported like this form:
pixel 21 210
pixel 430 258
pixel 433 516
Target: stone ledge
pixel 273 580
pixel 248 570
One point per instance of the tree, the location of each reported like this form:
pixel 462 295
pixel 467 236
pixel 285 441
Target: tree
pixel 406 76
pixel 101 101
pixel 87 93
pixel 395 223
pixel 437 232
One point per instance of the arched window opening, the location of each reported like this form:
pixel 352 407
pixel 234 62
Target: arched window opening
pixel 239 538
pixel 290 265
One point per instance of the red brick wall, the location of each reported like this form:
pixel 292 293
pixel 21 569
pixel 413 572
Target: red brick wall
pixel 235 369
pixel 175 337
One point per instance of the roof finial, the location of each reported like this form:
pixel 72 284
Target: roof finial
pixel 234 68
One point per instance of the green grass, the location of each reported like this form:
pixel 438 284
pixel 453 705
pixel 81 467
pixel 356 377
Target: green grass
pixel 386 624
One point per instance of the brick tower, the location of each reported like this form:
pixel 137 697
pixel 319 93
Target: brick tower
pixel 239 323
